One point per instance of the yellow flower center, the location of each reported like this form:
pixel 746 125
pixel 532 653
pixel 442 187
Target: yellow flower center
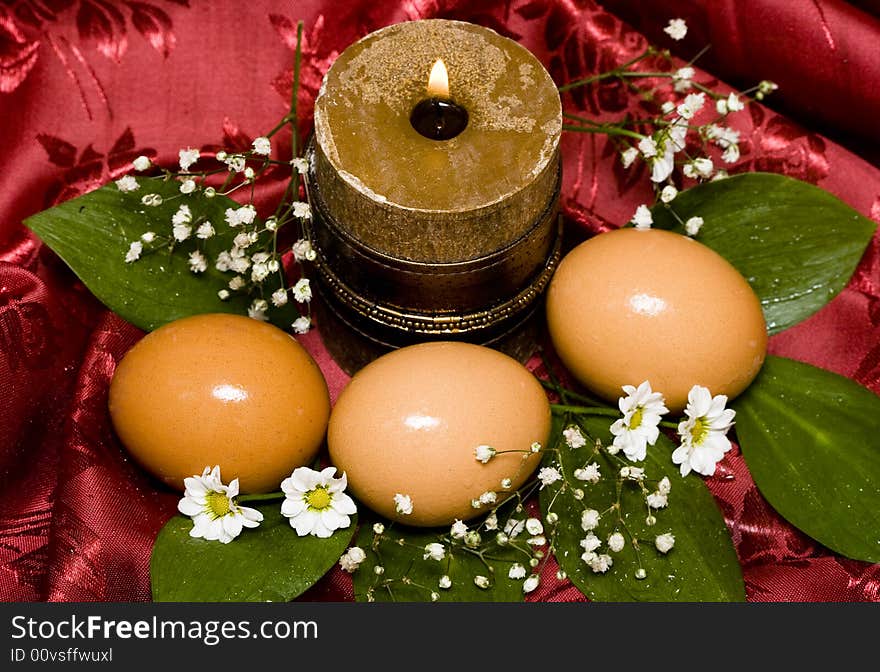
pixel 636 418
pixel 318 498
pixel 218 504
pixel 699 432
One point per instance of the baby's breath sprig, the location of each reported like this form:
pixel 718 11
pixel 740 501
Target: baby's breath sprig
pixel 670 139
pixel 254 261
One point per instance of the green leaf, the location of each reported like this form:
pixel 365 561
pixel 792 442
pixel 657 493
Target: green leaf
pixel 268 563
pixel 811 440
pixel 702 567
pixel 796 244
pixel 92 234
pixel 422 576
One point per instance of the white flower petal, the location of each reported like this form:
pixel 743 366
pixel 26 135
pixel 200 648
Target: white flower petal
pixel 343 504
pixel 333 520
pixel 305 522
pixel 232 525
pixel 251 517
pixel 293 506
pixel 189 507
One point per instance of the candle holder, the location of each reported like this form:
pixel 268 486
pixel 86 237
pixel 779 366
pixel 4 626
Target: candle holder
pixel 433 238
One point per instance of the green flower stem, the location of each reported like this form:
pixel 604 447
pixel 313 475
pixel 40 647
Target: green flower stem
pixel 602 130
pixel 601 124
pixel 294 95
pixel 605 75
pixel 265 497
pixel 584 410
pixel 609 128
pixel 667 423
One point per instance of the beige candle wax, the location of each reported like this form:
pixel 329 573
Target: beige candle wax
pixel 469 195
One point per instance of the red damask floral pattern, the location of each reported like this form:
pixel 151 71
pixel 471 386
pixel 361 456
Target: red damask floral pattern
pixel 86 85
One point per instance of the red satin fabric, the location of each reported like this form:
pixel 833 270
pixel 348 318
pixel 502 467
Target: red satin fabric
pixel 86 85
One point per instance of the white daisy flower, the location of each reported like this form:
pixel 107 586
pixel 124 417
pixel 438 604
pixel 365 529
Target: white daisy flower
pixel 701 167
pixel 648 147
pixel 434 551
pixel 616 542
pixel 662 166
pixel 127 183
pixel 664 487
pixel 642 409
pixel 181 232
pixel 352 559
pixel 590 543
pixel 590 520
pixel 513 527
pixel 657 500
pixel 574 438
pixel 403 504
pixel 301 210
pixel 665 542
pixel 198 263
pixel 187 158
pixel 601 563
pixel 301 165
pixel 668 193
pixel 262 145
pixel 458 530
pixel 693 225
pixel 692 104
pixel 238 216
pixel 628 156
pixel 590 473
pixel 548 475
pixel 301 325
pixel 315 503
pixel 205 230
pixel 257 309
pixel 676 29
pixel 682 79
pixel 182 216
pixel 484 453
pixel 302 291
pixel 211 505
pixel 731 154
pixel 141 163
pixel 303 251
pixel 642 218
pixel 134 252
pixel 704 433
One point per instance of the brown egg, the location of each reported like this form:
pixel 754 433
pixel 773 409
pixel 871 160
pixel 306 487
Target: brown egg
pixel 410 421
pixel 220 389
pixel 634 305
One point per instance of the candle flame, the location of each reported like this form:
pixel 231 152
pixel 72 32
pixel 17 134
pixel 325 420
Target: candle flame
pixel 438 81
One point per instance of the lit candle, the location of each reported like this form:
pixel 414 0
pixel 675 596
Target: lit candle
pixel 435 177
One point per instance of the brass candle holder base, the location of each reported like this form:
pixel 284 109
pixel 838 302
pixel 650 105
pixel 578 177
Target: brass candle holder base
pixel 370 302
pixel 352 349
